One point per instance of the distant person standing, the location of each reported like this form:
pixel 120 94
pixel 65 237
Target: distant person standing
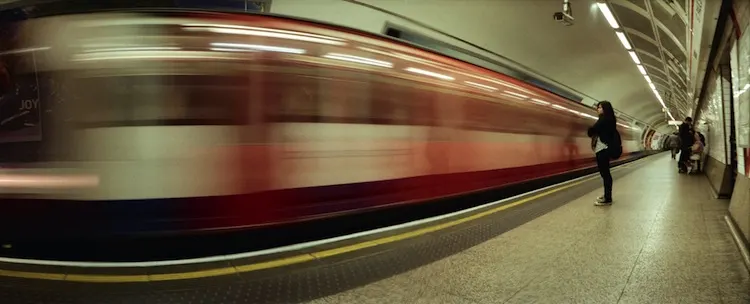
pixel 673 142
pixel 606 143
pixel 687 139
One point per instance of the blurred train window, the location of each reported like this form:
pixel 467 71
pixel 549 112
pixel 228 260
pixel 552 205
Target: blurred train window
pixel 390 104
pixel 162 100
pixel 478 115
pixel 423 107
pixel 296 97
pixel 344 101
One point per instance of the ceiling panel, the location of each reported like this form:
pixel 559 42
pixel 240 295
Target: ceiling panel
pixel 674 50
pixel 639 3
pixel 645 45
pixel 649 60
pixel 658 30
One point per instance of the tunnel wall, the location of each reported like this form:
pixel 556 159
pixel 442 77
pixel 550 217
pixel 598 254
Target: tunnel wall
pixel 739 207
pixel 711 120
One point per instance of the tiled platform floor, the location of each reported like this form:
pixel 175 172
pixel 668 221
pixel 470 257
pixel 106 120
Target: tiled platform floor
pixel 663 241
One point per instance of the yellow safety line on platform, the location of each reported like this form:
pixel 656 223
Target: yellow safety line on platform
pixel 103 278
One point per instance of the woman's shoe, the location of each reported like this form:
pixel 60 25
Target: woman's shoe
pixel 600 201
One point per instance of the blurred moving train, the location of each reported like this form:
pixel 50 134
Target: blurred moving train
pixel 184 121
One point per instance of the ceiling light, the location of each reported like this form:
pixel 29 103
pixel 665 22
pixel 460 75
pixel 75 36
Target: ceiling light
pixel 653 87
pixel 640 68
pixel 635 57
pixel 623 40
pixel 608 15
pixel 648 79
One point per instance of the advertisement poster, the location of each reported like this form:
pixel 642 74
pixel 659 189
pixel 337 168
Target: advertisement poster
pixel 736 91
pixel 742 96
pixel 19 89
pixel 19 99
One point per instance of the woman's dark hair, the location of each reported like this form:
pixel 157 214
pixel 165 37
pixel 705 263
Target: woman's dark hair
pixel 608 111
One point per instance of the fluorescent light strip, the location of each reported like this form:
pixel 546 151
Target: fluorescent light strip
pixel 258 47
pixel 648 79
pixel 428 73
pixel 481 86
pixel 656 92
pixel 358 59
pixel 643 70
pixel 608 15
pixel 634 56
pixel 653 87
pixel 623 40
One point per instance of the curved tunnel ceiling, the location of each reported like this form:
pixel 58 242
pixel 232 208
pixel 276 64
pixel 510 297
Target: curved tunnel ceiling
pixel 659 31
pixel 586 56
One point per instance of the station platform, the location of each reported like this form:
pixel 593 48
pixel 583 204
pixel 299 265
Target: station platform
pixel 664 240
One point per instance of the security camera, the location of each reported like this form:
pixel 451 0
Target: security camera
pixel 566 16
pixel 563 18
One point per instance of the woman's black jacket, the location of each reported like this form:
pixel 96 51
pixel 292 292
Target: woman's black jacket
pixel 605 129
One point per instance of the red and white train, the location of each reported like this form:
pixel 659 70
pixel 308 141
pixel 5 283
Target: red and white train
pixel 179 121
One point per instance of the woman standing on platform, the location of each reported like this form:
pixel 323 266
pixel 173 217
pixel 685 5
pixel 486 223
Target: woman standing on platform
pixel 604 142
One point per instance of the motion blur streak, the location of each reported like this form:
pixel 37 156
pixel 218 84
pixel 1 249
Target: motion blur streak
pixel 43 181
pixel 188 121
